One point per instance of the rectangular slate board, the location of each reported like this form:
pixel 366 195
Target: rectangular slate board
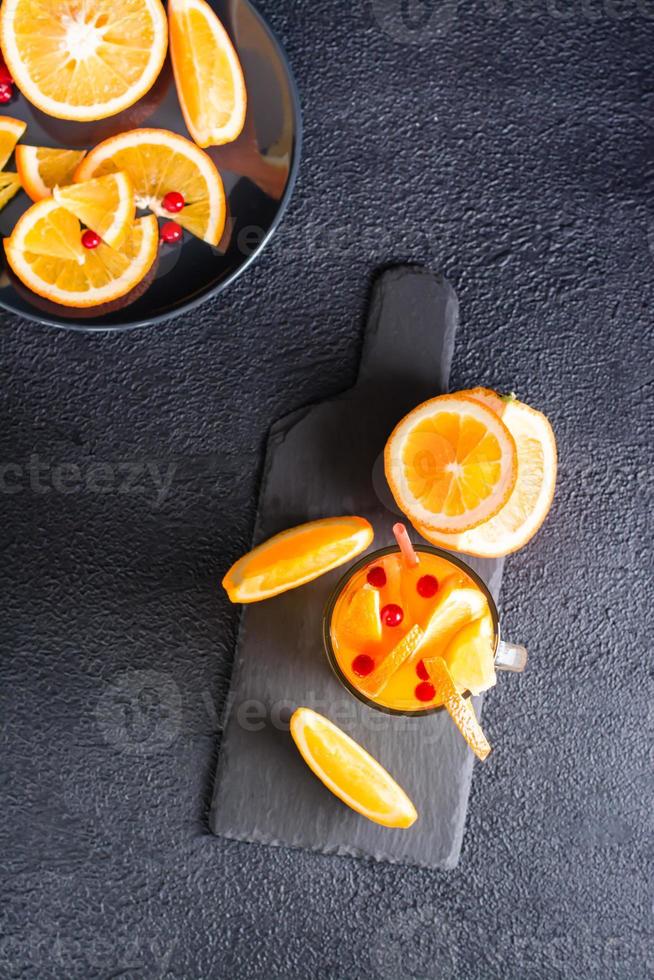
pixel 323 461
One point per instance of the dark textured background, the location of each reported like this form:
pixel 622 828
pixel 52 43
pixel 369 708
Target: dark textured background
pixel 511 146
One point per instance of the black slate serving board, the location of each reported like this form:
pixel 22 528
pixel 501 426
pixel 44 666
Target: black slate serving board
pixel 322 461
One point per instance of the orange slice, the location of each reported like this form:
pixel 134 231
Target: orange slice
pixel 208 75
pixel 459 708
pixel 349 771
pixel 45 252
pixel 296 556
pixel 157 162
pixel 469 656
pixel 451 463
pixel 361 621
pixel 11 131
pixel 516 523
pixel 9 185
pixel 104 204
pixel 42 167
pixel 375 682
pixel 87 60
pixel 456 606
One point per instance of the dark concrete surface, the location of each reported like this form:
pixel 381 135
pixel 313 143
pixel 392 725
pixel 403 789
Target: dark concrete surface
pixel 509 144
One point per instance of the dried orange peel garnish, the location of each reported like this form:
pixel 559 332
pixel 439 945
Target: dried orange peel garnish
pixel 459 709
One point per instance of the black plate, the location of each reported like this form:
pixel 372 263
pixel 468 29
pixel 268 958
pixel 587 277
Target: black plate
pixel 258 170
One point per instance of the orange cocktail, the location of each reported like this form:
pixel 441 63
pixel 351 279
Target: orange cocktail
pixel 386 618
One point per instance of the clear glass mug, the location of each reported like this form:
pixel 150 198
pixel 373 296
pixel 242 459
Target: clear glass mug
pixel 508 656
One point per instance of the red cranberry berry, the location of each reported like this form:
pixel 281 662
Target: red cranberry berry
pixel 392 615
pixel 173 201
pixel 427 586
pixel 6 92
pixel 425 691
pixel 90 239
pixel 421 671
pixel 363 665
pixel 377 577
pixel 171 232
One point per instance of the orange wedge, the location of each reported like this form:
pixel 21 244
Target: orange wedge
pixel 451 464
pixel 9 185
pixel 11 131
pixel 528 504
pixel 375 682
pixel 456 606
pixel 349 771
pixel 104 204
pixel 42 167
pixel 459 708
pixel 296 556
pixel 158 161
pixel 361 621
pixel 87 60
pixel 208 75
pixel 469 656
pixel 45 252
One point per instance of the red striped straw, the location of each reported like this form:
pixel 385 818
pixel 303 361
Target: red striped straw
pixel 404 544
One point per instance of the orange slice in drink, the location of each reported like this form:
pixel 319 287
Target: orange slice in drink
pixel 349 771
pixel 456 606
pixel 459 708
pixel 376 681
pixel 451 463
pixel 87 60
pixel 11 131
pixel 469 656
pixel 104 204
pixel 9 186
pixel 158 162
pixel 42 167
pixel 528 504
pixel 296 556
pixel 208 75
pixel 361 621
pixel 45 252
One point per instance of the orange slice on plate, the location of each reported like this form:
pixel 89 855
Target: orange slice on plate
pixel 46 254
pixel 208 74
pixel 87 60
pixel 451 463
pixel 296 556
pixel 528 504
pixel 459 708
pixel 375 682
pixel 9 186
pixel 361 621
pixel 104 204
pixel 349 771
pixel 157 162
pixel 11 131
pixel 42 167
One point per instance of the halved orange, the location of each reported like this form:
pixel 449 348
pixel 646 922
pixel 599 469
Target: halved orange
pixel 45 252
pixel 157 162
pixel 9 186
pixel 349 771
pixel 104 204
pixel 375 682
pixel 296 556
pixel 11 131
pixel 208 74
pixel 531 498
pixel 87 60
pixel 459 708
pixel 42 167
pixel 361 620
pixel 451 463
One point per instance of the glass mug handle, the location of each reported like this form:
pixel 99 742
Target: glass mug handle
pixel 511 656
